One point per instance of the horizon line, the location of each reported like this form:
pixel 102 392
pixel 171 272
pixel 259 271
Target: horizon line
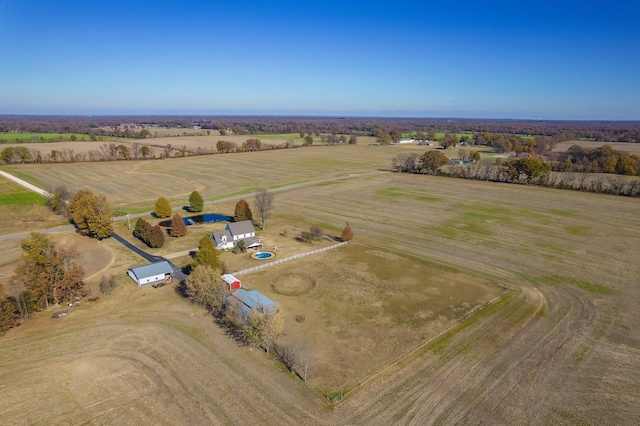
pixel 338 116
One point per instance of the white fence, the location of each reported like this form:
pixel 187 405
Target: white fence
pixel 286 259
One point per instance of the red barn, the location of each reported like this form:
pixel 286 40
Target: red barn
pixel 233 282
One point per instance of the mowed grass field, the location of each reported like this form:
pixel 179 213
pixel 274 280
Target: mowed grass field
pixel 12 138
pixel 561 348
pixel 22 210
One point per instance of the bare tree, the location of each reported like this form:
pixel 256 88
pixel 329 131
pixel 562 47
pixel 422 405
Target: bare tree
pixel 304 352
pixel 287 355
pixel 271 329
pixel 264 205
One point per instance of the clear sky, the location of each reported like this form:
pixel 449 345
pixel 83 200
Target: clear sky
pixel 480 59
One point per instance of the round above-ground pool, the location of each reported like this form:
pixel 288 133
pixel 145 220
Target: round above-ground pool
pixel 263 255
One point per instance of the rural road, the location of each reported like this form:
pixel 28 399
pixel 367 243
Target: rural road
pixel 25 184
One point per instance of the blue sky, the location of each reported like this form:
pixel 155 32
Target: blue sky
pixel 478 59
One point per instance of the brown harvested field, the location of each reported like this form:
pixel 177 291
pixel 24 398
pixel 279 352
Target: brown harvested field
pixel 138 184
pixel 562 348
pixel 192 142
pixel 628 147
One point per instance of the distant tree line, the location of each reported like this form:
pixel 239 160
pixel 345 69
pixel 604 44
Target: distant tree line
pixel 613 131
pixel 604 159
pixel 133 151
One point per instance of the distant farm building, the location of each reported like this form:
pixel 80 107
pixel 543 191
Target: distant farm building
pixel 247 301
pixel 406 140
pixel 234 233
pixel 234 283
pixel 151 273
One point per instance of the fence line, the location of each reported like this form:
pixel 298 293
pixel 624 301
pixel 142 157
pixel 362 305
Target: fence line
pixel 286 259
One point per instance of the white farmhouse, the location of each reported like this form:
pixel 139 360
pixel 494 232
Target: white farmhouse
pixel 234 233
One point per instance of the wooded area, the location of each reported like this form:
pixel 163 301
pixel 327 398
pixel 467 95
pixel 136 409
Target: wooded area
pixel 124 126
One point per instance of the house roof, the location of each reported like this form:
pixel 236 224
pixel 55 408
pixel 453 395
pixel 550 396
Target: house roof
pixel 251 241
pixel 244 227
pixel 253 299
pixel 261 299
pixel 152 269
pixel 217 236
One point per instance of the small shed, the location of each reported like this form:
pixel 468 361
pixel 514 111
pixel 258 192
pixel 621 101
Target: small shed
pixel 151 273
pixel 250 300
pixel 234 283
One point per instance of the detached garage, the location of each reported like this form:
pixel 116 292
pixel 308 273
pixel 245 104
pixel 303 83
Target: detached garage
pixel 151 273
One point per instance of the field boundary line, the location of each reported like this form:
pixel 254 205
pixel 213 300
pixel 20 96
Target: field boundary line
pixel 286 259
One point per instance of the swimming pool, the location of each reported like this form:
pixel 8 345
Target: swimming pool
pixel 262 255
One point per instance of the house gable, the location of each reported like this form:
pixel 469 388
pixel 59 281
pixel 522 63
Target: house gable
pixel 241 230
pixel 222 239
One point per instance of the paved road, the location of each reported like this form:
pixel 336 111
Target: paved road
pixel 24 235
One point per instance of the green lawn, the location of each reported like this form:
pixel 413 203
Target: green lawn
pixel 47 137
pixel 12 194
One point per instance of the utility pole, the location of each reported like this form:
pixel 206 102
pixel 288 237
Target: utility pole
pixel 128 222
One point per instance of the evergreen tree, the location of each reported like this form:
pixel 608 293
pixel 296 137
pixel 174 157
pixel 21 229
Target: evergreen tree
pixel 178 228
pixel 138 230
pixel 156 237
pixel 347 233
pixel 196 203
pixel 152 236
pixel 163 208
pixel 243 211
pixel 207 254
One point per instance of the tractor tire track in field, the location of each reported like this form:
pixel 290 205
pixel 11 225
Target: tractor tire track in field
pixel 502 370
pixel 162 371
